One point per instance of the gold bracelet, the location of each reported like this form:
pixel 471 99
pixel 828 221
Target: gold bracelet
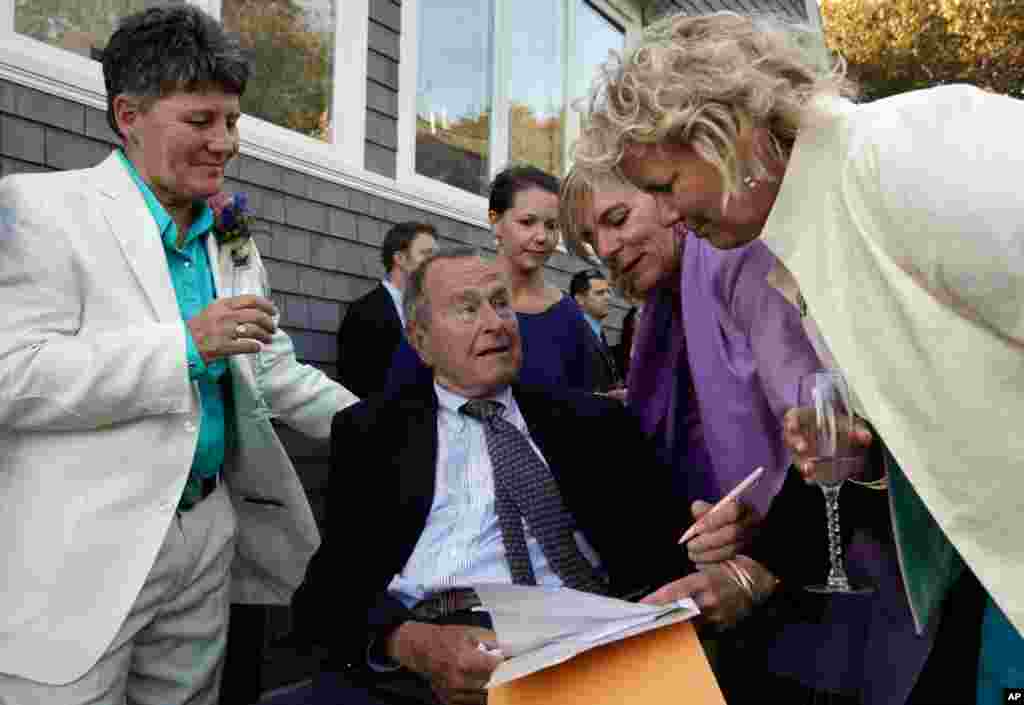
pixel 741 577
pixel 749 578
pixel 880 485
pixel 758 596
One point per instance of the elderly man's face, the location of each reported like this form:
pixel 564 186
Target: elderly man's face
pixel 471 337
pixel 181 144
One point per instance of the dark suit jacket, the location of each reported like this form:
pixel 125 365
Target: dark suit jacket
pixel 367 339
pixel 383 468
pixel 604 370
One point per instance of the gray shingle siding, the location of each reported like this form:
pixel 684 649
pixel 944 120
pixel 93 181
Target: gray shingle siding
pixel 382 88
pixel 787 9
pixel 380 68
pixel 387 13
pixel 380 159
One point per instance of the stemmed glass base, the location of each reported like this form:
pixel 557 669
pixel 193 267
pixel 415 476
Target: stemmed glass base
pixel 837 582
pixel 840 589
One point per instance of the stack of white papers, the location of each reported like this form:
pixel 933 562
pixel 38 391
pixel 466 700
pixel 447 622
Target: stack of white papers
pixel 538 627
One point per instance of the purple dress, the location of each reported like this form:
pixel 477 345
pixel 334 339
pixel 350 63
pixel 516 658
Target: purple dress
pixel 554 351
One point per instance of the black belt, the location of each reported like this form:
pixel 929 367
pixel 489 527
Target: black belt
pixel 442 604
pixel 206 487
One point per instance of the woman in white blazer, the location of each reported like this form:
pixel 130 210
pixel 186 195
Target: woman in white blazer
pixel 112 585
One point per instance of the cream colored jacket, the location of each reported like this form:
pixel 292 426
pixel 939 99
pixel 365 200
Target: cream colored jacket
pixel 903 222
pixel 99 422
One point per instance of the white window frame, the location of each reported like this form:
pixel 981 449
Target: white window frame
pixel 62 73
pixel 626 13
pixel 65 74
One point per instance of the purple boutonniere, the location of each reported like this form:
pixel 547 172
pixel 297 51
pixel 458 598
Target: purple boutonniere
pixel 233 224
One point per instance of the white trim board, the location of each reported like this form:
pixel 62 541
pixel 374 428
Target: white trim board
pixel 64 74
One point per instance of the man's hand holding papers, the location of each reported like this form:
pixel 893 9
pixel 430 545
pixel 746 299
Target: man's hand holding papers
pixel 449 657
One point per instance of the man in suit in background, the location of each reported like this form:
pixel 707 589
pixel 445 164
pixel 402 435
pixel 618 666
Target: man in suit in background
pixel 591 291
pixel 374 324
pixel 144 487
pixel 457 501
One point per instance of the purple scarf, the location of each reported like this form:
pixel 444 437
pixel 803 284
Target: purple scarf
pixel 730 318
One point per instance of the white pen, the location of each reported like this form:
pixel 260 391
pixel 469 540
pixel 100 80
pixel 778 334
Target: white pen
pixel 739 489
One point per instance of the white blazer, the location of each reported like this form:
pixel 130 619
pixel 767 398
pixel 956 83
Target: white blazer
pixel 99 422
pixel 902 220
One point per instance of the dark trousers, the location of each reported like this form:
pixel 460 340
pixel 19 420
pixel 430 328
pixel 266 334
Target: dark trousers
pixel 243 664
pixel 400 687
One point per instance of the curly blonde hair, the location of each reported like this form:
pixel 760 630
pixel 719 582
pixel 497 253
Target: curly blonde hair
pixel 704 81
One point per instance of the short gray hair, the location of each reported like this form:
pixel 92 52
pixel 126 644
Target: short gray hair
pixel 415 304
pixel 170 48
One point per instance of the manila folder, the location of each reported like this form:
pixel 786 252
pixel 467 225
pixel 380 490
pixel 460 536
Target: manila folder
pixel 665 666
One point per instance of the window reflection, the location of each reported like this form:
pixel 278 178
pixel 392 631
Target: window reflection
pixel 596 35
pixel 536 91
pixel 453 92
pixel 80 26
pixel 290 44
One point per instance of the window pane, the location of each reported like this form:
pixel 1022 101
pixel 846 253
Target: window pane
pixel 290 44
pixel 81 26
pixel 596 35
pixel 536 94
pixel 453 91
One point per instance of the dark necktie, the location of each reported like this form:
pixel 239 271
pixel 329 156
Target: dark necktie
pixel 606 354
pixel 525 488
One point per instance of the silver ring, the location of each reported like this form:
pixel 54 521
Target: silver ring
pixel 240 330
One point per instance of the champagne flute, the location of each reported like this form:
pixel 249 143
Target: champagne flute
pixel 836 458
pixel 248 278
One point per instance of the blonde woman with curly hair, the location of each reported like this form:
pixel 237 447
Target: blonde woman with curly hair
pixel 900 219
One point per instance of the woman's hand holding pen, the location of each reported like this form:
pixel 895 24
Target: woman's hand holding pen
pixel 722 533
pixel 727 586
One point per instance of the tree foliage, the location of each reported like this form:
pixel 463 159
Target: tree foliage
pixel 532 139
pixel 291 63
pixel 898 45
pixel 81 26
pixel 291 58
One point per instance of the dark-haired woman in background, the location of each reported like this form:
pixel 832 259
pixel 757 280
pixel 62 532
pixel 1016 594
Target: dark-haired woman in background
pixel 523 211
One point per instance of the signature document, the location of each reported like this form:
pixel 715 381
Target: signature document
pixel 539 627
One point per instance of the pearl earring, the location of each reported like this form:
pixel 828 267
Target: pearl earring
pixel 750 182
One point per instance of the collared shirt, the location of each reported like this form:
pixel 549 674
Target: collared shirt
pixel 194 289
pixel 396 296
pixel 595 325
pixel 461 543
